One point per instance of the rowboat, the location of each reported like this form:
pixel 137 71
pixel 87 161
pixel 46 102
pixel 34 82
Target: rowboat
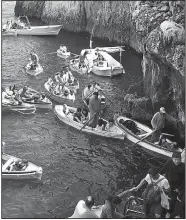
pixel 24 108
pixel 68 119
pixel 26 29
pixel 38 70
pixel 101 63
pixel 41 104
pixel 58 98
pixel 10 32
pixel 74 66
pixel 32 171
pixel 110 67
pixel 102 97
pixel 63 54
pixel 144 131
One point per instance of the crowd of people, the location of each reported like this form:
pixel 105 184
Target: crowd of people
pixel 163 196
pixel 62 84
pixel 13 96
pixel 14 24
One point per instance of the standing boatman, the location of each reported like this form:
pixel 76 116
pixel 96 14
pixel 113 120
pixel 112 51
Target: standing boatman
pixel 158 123
pixel 95 109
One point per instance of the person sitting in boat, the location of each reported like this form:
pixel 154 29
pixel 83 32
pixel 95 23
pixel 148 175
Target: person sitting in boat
pixel 116 115
pixel 66 92
pixel 43 98
pixel 18 165
pixel 34 61
pixel 71 96
pixel 84 114
pixel 131 125
pixel 66 110
pixel 101 124
pixel 78 116
pixel 110 125
pixel 169 145
pixel 63 48
pixel 57 77
pixel 84 209
pixel 25 95
pixel 86 93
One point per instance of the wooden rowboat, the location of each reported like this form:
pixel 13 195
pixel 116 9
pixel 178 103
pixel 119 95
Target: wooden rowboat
pixel 74 66
pixel 24 108
pixel 38 70
pixel 68 119
pixel 32 171
pixel 58 98
pixel 41 104
pixel 62 54
pixel 144 130
pixel 107 66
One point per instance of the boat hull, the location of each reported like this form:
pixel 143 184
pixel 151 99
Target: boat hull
pixel 31 172
pixel 40 30
pixel 36 72
pixel 63 55
pixel 114 68
pixel 56 98
pixel 58 110
pixel 145 144
pixel 23 107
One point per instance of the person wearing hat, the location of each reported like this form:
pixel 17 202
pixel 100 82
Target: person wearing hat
pixel 174 171
pixel 158 123
pixel 94 109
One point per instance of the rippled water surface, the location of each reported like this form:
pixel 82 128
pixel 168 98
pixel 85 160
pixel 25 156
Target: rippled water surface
pixel 74 164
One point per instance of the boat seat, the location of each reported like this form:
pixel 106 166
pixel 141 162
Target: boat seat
pixel 7 164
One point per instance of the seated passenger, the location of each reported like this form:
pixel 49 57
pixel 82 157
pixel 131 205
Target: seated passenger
pixel 66 110
pixel 18 165
pixel 63 48
pixel 78 116
pixel 43 98
pixel 110 126
pixel 71 96
pixel 164 143
pixel 116 115
pixel 101 124
pixel 84 114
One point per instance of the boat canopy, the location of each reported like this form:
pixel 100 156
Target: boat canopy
pixel 110 49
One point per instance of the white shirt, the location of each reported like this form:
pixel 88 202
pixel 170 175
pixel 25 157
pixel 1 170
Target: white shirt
pixel 65 77
pixel 71 97
pixel 82 211
pixel 87 92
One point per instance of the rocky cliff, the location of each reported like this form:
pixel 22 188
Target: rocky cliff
pixel 154 28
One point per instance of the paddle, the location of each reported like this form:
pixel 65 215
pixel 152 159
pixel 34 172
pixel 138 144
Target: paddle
pixel 87 122
pixel 145 137
pixel 107 97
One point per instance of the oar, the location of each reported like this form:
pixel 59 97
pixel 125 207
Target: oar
pixel 49 53
pixel 145 137
pixel 107 97
pixel 87 122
